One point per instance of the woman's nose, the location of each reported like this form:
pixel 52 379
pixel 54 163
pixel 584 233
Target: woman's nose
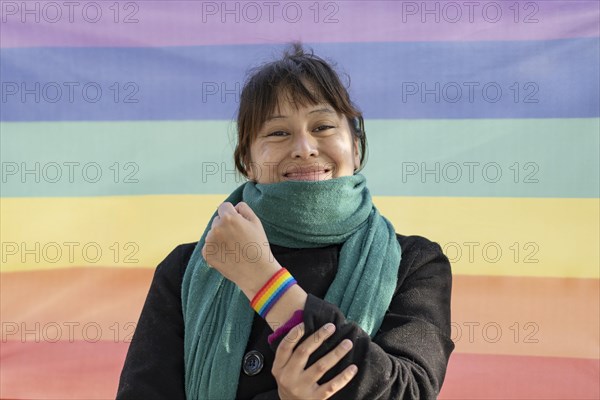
pixel 304 146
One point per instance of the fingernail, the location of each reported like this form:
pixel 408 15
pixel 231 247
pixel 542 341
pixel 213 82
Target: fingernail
pixel 346 344
pixel 353 369
pixel 329 327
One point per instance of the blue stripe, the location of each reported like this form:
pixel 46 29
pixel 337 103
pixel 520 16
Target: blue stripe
pixel 275 296
pixel 388 80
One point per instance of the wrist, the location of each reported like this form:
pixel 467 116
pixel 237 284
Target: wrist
pixel 293 299
pixel 272 291
pixel 277 297
pixel 251 288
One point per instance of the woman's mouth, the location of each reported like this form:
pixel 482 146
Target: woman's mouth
pixel 309 175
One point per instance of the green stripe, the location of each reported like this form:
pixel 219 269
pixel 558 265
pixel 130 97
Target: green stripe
pixel 536 158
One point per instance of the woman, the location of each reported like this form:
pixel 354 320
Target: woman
pixel 243 312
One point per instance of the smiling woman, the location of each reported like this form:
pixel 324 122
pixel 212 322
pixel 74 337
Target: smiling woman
pixel 298 288
pixel 304 143
pixel 298 105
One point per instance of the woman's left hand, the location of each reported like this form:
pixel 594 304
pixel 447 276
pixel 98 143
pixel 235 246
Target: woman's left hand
pixel 294 380
pixel 237 246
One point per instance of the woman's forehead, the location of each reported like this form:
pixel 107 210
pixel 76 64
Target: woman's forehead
pixel 285 107
pixel 291 97
pixel 287 101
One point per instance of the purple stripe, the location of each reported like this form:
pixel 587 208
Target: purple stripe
pixel 190 23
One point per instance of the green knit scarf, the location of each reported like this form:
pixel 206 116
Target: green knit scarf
pixel 296 214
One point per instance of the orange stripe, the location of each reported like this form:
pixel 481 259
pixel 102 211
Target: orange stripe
pixel 274 287
pixel 265 288
pixel 81 301
pixel 561 314
pixel 536 316
pixel 481 377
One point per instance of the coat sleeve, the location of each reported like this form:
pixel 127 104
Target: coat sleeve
pixel 408 357
pixel 270 395
pixel 154 366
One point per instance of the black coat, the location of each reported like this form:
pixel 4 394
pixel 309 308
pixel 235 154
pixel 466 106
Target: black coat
pixel 407 359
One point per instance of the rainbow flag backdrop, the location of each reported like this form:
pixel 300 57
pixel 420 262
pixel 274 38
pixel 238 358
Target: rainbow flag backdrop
pixel 483 121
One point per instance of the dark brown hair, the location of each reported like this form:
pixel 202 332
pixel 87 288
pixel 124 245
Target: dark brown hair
pixel 265 83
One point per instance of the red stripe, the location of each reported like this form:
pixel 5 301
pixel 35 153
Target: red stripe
pixel 266 286
pixel 85 370
pixel 476 376
pixel 61 370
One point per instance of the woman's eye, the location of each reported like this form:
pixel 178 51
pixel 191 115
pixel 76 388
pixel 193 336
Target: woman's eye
pixel 276 133
pixel 319 129
pixel 324 127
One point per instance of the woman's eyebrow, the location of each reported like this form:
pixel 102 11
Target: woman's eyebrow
pixel 316 110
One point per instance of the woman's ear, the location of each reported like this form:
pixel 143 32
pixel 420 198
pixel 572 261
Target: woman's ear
pixel 250 173
pixel 356 154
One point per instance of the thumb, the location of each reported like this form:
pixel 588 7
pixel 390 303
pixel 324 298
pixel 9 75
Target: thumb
pixel 245 211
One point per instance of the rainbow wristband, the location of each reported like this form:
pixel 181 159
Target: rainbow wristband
pixel 271 291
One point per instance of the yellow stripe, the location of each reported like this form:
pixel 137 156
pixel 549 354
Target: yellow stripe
pixel 543 237
pixel 562 235
pixel 265 297
pixel 144 228
pixel 267 293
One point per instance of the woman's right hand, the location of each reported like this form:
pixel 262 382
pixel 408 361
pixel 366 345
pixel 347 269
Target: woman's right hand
pixel 296 382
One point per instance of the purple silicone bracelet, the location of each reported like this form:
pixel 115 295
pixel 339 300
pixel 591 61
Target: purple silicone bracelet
pixel 296 319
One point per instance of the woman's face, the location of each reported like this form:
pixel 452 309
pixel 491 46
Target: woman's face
pixel 308 143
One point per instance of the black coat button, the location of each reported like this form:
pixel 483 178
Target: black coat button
pixel 253 362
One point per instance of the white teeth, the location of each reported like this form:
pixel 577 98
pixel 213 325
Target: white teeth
pixel 307 173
